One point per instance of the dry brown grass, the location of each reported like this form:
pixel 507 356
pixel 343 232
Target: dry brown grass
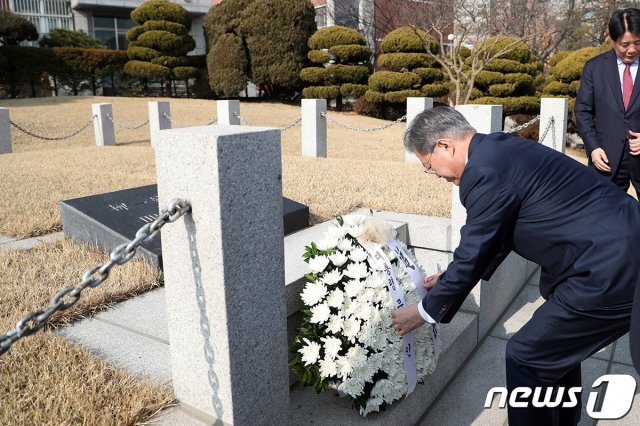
pixel 363 169
pixel 44 379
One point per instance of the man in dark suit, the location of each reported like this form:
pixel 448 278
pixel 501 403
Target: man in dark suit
pixel 607 108
pixel 582 230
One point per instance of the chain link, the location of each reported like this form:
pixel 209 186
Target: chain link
pixel 241 119
pixel 550 124
pixel 95 276
pixel 52 138
pixel 522 126
pixel 291 125
pixel 124 126
pixel 357 129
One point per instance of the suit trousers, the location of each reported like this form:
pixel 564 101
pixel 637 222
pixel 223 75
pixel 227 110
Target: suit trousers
pixel 548 351
pixel 628 170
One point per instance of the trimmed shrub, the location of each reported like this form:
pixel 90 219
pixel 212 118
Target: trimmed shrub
pixel 133 33
pixel 171 61
pixel 508 66
pixel 522 104
pixel 390 81
pixel 346 73
pixel 313 74
pixel 351 52
pixel 161 10
pixel 429 75
pixel 407 39
pixel 327 37
pixel 558 57
pixel 557 88
pixel 519 79
pixel 435 90
pixel 400 61
pixel 504 89
pixel 476 93
pixel 318 56
pixel 489 78
pixel 374 96
pixel 168 26
pixel 354 90
pixel 65 38
pixel 401 96
pixel 227 63
pixel 570 68
pixel 519 51
pixel 146 69
pixel 573 87
pixel 160 40
pixel 142 53
pixel 321 92
pixel 183 73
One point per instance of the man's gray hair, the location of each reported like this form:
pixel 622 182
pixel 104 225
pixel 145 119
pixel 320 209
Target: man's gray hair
pixel 433 124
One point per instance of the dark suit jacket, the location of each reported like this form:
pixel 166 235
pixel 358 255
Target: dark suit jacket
pixel 599 110
pixel 522 196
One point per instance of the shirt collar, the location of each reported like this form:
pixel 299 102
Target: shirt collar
pixel 634 63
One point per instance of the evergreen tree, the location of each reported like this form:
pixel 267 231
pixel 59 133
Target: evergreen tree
pixel 14 28
pixel 158 47
pixel 65 38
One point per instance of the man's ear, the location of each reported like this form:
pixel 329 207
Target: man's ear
pixel 446 145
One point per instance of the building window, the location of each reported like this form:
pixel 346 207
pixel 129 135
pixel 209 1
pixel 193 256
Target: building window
pixel 46 15
pixel 321 16
pixel 111 31
pixel 347 13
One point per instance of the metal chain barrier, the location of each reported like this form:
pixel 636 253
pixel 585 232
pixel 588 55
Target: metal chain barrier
pixel 291 125
pixel 241 119
pixel 357 129
pixel 53 138
pixel 124 126
pixel 95 276
pixel 523 126
pixel 551 124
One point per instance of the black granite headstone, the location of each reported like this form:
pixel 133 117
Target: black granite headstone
pixel 108 220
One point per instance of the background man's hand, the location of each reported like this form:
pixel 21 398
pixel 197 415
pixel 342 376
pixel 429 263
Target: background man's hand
pixel 406 319
pixel 634 143
pixel 600 160
pixel 431 280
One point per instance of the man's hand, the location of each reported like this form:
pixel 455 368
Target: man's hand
pixel 600 160
pixel 431 280
pixel 634 143
pixel 406 319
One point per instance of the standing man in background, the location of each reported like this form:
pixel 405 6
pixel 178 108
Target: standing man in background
pixel 607 108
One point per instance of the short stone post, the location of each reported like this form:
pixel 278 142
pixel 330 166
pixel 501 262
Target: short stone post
pixel 157 119
pixel 228 112
pixel 102 125
pixel 414 107
pixel 224 272
pixel 485 119
pixel 5 131
pixel 558 108
pixel 314 128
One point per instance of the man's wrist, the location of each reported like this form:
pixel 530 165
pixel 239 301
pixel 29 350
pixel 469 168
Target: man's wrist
pixel 425 316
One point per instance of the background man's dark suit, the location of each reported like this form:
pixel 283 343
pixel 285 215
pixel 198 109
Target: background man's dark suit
pixel 581 229
pixel 601 117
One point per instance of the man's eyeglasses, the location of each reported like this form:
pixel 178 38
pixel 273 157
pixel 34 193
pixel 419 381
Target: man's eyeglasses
pixel 427 167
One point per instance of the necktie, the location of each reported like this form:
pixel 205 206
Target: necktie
pixel 627 85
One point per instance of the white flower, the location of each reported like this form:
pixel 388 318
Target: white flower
pixel 349 306
pixel 357 355
pixel 332 277
pixel 366 295
pixel 376 280
pixel 358 255
pixel 332 346
pixel 373 404
pixel 353 287
pixel 377 230
pixel 313 293
pixel 336 232
pixel 354 219
pixel 345 245
pixel 326 243
pixel 335 324
pixel 364 372
pixel 354 231
pixel 382 388
pixel 328 367
pixel 310 353
pixel 356 270
pixel 351 328
pixel 318 263
pixel 363 310
pixel 320 313
pixel 352 387
pixel 338 258
pixel 344 367
pixel 335 298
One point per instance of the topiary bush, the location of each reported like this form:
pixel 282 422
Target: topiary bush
pixel 388 81
pixel 344 55
pixel 162 34
pixel 518 105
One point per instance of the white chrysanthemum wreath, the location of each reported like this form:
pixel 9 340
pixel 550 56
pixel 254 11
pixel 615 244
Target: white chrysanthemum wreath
pixel 346 340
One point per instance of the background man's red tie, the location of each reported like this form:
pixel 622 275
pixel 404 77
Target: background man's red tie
pixel 627 85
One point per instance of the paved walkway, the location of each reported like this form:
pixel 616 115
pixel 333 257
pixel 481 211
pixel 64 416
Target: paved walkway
pixel 139 326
